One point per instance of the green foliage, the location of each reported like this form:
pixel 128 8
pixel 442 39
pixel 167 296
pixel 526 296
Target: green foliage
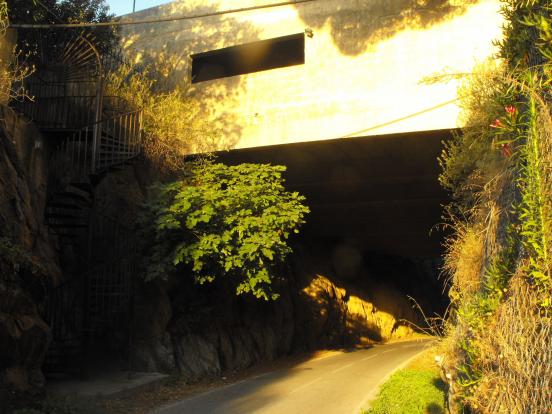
pixel 64 11
pixel 535 207
pixel 48 11
pixel 226 221
pixel 472 158
pixel 515 119
pixel 411 391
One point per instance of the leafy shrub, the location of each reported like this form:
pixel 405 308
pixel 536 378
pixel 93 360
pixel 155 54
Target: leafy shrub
pixel 225 221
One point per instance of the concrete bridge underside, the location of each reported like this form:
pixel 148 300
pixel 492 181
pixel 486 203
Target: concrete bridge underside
pixel 379 193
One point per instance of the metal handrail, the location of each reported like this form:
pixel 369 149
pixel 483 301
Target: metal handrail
pixel 67 112
pixel 80 156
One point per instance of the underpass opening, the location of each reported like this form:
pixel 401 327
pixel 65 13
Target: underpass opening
pixel 376 205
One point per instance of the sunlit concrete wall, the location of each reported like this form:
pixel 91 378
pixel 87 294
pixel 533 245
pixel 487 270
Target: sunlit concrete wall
pixel 363 71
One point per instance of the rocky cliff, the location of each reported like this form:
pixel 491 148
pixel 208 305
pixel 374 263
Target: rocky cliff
pixel 201 331
pixel 28 261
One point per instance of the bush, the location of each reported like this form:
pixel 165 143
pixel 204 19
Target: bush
pixel 225 221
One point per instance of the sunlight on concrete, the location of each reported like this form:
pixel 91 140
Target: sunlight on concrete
pixel 363 70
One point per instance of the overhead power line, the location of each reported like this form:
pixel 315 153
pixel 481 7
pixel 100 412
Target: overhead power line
pixel 394 121
pixel 156 20
pixel 50 12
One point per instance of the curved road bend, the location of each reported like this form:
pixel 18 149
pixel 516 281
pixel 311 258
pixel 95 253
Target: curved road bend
pixel 337 384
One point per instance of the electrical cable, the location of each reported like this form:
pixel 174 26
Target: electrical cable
pixel 157 20
pixel 55 16
pixel 352 134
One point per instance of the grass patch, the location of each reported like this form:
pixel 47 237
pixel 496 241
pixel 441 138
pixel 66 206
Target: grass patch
pixel 416 389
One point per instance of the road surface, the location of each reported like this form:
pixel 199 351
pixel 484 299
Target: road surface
pixel 338 384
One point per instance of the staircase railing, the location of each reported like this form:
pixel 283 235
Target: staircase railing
pixel 67 112
pixel 98 147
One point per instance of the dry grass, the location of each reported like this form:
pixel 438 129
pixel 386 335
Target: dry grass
pixel 173 123
pixel 14 70
pixel 464 261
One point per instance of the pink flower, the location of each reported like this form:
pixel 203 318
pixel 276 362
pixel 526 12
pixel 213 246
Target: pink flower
pixel 506 150
pixel 510 109
pixel 497 124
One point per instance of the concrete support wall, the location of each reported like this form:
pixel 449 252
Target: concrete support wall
pixel 363 72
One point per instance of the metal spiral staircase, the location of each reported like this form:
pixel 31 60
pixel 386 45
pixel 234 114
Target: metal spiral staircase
pixel 92 135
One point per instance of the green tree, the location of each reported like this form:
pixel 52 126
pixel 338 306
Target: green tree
pixel 53 11
pixel 225 221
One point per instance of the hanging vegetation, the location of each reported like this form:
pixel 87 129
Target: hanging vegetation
pixel 499 346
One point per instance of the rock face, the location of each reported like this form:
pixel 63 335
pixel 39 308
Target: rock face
pixel 210 330
pixel 23 182
pixel 28 261
pixel 24 339
pixel 200 331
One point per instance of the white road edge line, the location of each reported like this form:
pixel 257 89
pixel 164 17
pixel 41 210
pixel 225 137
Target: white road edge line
pixel 343 367
pixel 308 384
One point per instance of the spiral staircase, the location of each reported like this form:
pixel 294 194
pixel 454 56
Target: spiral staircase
pixel 91 135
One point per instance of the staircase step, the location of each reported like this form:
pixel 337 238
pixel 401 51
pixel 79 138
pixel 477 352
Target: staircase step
pixel 68 226
pixel 115 159
pixel 73 196
pixel 116 154
pixel 82 188
pixel 86 187
pixel 67 236
pixel 64 216
pixel 123 151
pixel 64 205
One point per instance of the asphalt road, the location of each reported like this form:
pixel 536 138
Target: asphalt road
pixel 338 384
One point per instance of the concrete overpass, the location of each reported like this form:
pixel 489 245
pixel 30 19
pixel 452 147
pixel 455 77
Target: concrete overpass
pixel 380 193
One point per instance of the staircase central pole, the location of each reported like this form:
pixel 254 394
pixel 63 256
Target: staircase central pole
pixel 97 131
